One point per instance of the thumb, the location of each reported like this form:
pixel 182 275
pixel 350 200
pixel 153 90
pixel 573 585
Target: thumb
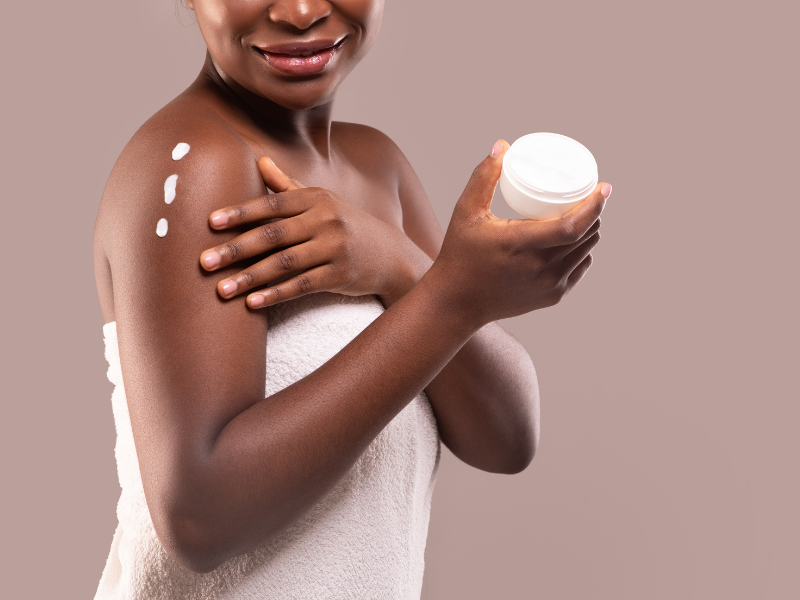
pixel 476 199
pixel 276 180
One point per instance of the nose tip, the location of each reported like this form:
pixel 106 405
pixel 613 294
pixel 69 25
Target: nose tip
pixel 301 14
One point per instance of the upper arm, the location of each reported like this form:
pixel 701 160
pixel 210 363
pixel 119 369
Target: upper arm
pixel 190 361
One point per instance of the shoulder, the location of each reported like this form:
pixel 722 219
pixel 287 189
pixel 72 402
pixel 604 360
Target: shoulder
pixel 219 169
pixel 374 152
pixel 359 136
pixel 371 150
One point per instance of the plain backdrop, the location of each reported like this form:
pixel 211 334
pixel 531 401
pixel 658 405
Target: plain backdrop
pixel 668 465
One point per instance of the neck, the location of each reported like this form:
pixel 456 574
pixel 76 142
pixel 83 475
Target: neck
pixel 307 131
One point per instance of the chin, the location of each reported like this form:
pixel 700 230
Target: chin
pixel 299 101
pixel 300 95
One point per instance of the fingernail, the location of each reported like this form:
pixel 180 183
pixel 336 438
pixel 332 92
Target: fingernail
pixel 497 149
pixel 218 219
pixel 211 259
pixel 605 190
pixel 256 300
pixel 229 287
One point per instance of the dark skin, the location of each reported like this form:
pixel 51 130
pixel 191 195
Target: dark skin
pixel 225 469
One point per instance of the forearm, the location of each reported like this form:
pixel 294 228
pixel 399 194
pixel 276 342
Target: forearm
pixel 486 399
pixel 275 460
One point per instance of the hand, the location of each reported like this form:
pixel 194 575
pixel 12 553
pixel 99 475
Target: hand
pixel 319 242
pixel 493 268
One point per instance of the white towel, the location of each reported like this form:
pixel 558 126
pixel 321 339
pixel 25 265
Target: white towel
pixel 365 539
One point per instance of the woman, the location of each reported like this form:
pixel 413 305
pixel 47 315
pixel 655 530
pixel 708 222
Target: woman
pixel 312 477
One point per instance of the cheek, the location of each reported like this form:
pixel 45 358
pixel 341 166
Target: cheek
pixel 224 23
pixel 367 14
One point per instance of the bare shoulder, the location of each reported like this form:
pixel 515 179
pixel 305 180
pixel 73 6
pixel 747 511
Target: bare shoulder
pixel 184 148
pixel 370 150
pixel 377 155
pixel 182 164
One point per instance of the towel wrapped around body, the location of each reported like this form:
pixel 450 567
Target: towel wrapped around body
pixel 364 539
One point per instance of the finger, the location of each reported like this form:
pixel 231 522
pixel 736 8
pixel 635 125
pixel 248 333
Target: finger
pixel 571 261
pixel 276 180
pixel 572 226
pixel 271 206
pixel 318 279
pixel 280 234
pixel 276 266
pixel 578 273
pixel 476 199
pixel 561 251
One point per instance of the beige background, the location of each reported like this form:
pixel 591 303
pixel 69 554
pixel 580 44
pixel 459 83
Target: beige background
pixel 668 463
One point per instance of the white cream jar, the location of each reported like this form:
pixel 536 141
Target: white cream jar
pixel 546 174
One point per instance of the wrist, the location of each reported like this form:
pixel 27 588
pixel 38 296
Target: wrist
pixel 459 299
pixel 410 266
pixel 450 305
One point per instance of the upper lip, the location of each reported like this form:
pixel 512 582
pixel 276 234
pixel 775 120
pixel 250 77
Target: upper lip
pixel 300 48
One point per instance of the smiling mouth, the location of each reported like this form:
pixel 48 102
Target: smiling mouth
pixel 297 59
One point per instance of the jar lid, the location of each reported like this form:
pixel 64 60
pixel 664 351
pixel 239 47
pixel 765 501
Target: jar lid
pixel 551 167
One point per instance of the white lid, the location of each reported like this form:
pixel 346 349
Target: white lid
pixel 551 167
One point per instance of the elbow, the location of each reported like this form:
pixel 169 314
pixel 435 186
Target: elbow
pixel 519 458
pixel 521 447
pixel 508 455
pixel 523 444
pixel 522 436
pixel 188 541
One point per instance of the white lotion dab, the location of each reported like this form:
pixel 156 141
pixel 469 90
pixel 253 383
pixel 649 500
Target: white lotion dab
pixel 161 228
pixel 169 188
pixel 179 151
pixel 546 174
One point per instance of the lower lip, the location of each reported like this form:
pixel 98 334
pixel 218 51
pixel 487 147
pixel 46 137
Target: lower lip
pixel 300 65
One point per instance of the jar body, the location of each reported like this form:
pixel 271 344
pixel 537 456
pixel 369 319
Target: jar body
pixel 564 173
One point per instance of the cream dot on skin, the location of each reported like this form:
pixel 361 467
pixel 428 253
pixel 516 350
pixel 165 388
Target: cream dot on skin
pixel 180 151
pixel 161 228
pixel 169 188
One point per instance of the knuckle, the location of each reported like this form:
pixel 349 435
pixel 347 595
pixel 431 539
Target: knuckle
pixel 240 213
pixel 553 283
pixel 247 278
pixel 270 203
pixel 347 274
pixel 273 202
pixel 272 233
pixel 560 291
pixel 304 283
pixel 567 231
pixel 343 279
pixel 287 261
pixel 331 212
pixel 538 265
pixel 339 221
pixel 233 250
pixel 343 250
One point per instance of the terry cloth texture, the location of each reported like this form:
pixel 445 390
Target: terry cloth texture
pixel 365 539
